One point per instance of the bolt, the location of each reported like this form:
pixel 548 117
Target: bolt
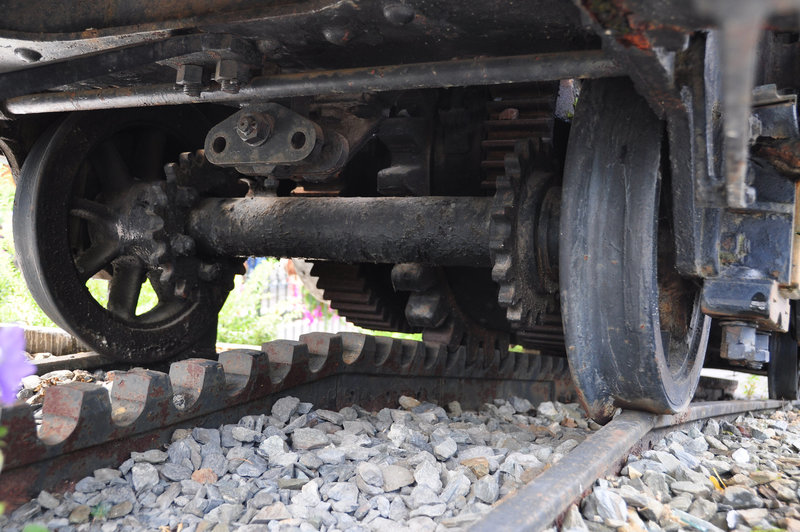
pixel 209 271
pixel 191 78
pixel 254 128
pixel 227 75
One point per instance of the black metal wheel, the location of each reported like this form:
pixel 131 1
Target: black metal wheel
pixel 93 203
pixel 783 375
pixel 634 332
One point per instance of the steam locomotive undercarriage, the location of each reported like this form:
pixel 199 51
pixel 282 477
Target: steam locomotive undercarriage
pixel 614 182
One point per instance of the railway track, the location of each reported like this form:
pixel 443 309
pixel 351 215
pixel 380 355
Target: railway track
pixel 84 428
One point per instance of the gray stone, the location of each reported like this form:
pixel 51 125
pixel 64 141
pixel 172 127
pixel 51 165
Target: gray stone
pixel 244 434
pixel 120 510
pixel 309 439
pixel 421 496
pixel 692 488
pixel 284 407
pixel 740 456
pixel 274 512
pixel 427 474
pixel 331 455
pixel 89 485
pixel 225 513
pixel 168 497
pixel 573 521
pixel 176 472
pixel 329 415
pixel 607 505
pixel 216 462
pixel 703 508
pixel 254 466
pixel 396 477
pixel 145 476
pixel 206 436
pixel 106 474
pixel 46 500
pixel 370 473
pixel 429 510
pixel 547 409
pixel 153 456
pixel 118 494
pixel 738 497
pixel 80 515
pixel 487 489
pixel 520 405
pixel 445 449
pixel 344 496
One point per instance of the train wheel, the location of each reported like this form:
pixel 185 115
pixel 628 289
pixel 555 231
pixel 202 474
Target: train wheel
pixel 93 202
pixel 634 332
pixel 783 377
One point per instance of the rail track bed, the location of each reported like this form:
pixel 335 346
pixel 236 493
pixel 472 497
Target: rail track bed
pixel 309 433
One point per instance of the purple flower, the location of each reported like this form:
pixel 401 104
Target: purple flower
pixel 13 363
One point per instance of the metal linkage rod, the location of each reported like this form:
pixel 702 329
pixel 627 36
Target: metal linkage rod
pixel 479 71
pixel 433 230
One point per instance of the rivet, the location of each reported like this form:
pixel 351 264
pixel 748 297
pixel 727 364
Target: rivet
pixel 398 14
pixel 27 55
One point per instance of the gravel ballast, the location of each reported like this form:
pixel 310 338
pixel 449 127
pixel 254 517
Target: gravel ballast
pixel 424 467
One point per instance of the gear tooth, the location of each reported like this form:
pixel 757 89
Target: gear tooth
pixel 185 159
pixel 513 165
pixel 503 269
pixel 514 314
pixel 506 295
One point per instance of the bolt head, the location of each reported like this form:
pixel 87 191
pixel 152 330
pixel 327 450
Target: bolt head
pixel 254 128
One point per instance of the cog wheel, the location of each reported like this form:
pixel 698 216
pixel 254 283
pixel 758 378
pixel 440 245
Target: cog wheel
pixel 519 231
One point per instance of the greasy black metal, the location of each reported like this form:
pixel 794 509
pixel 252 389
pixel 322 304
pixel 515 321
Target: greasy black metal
pixel 84 427
pixel 457 73
pixel 57 73
pixel 433 230
pixel 291 139
pixel 76 176
pixel 537 505
pixel 642 343
pixel 87 360
pixel 526 292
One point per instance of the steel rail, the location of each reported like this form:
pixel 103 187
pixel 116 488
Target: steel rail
pixel 537 505
pixel 440 74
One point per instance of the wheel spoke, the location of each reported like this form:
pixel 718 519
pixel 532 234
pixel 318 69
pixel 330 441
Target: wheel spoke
pixel 114 173
pixel 150 155
pixel 125 286
pixel 94 213
pixel 95 259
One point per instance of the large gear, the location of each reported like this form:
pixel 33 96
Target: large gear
pixel 525 200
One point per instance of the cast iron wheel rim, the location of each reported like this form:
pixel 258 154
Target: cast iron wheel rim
pixel 617 292
pixel 47 205
pixel 783 377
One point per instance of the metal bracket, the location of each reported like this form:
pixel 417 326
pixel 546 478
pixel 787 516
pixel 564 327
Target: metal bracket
pixel 236 142
pixel 754 300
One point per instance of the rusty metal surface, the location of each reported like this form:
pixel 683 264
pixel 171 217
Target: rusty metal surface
pixel 433 230
pixel 537 505
pixel 463 72
pixel 86 360
pixel 84 427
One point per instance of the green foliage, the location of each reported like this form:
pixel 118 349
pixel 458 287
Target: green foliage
pixel 35 527
pixel 241 320
pixel 751 386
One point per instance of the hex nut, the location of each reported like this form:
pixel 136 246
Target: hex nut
pixel 254 128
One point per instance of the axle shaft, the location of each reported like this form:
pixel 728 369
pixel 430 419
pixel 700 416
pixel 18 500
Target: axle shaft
pixel 433 230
